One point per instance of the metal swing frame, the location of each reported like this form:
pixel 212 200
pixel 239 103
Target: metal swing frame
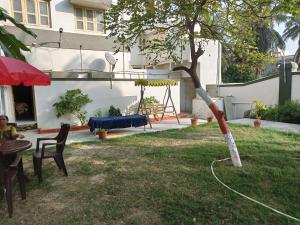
pixel 167 97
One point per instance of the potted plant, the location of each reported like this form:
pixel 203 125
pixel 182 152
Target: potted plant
pixel 257 122
pixel 210 118
pixel 72 103
pixel 102 133
pixel 98 113
pixel 114 111
pixel 194 120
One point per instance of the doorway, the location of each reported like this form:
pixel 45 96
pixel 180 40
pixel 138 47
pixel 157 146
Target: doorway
pixel 24 103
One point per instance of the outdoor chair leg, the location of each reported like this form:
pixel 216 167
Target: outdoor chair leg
pixel 1 192
pixel 57 163
pixel 8 196
pixel 39 169
pixel 21 180
pixel 34 165
pixel 63 165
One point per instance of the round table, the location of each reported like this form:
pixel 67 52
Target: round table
pixel 8 152
pixel 11 147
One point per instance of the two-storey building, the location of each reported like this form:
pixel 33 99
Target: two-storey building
pixel 71 45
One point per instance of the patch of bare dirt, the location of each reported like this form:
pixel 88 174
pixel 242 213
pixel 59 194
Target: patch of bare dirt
pixel 97 179
pixel 146 217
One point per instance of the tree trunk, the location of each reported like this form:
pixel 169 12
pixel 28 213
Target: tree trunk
pixel 192 71
pixel 223 126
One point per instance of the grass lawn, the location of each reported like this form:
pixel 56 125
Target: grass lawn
pixel 165 178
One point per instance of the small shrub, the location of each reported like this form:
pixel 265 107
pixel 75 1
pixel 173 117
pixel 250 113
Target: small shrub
pixel 247 113
pixel 253 115
pixel 271 114
pixel 114 111
pixel 288 113
pixel 150 101
pixel 194 116
pixel 259 110
pixel 71 103
pixel 98 113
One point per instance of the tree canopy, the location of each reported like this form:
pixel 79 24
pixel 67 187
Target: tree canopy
pixel 176 24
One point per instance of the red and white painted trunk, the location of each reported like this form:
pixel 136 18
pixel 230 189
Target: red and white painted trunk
pixel 223 126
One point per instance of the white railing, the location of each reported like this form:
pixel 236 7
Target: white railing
pixel 118 75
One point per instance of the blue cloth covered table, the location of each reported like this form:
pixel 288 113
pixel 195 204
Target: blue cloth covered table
pixel 112 122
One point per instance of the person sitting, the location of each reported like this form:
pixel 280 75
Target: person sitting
pixel 8 132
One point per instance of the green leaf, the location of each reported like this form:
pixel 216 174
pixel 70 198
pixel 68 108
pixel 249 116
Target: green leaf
pixel 8 42
pixel 72 103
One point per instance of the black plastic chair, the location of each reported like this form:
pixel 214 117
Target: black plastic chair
pixel 39 155
pixel 8 173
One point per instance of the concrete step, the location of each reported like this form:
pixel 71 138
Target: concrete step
pixel 26 125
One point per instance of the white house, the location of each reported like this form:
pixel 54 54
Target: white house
pixel 71 45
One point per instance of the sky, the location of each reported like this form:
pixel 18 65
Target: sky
pixel 291 46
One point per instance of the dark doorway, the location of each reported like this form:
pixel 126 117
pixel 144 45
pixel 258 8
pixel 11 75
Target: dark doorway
pixel 23 100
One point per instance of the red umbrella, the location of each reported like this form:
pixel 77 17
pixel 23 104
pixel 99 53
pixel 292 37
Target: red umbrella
pixel 14 72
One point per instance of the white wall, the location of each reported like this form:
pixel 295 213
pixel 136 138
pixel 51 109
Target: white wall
pixel 5 4
pixel 296 87
pixel 209 73
pixel 137 58
pixel 66 59
pixel 266 91
pixel 62 15
pixel 122 95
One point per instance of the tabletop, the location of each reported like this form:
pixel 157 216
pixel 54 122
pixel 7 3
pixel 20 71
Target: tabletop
pixel 112 122
pixel 14 146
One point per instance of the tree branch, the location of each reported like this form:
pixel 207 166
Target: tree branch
pixel 177 68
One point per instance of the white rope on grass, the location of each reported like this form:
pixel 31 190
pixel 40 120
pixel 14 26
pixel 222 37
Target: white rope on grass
pixel 245 196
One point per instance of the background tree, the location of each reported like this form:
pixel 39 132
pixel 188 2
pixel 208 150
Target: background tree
pixel 292 31
pixel 192 23
pixel 242 68
pixel 10 45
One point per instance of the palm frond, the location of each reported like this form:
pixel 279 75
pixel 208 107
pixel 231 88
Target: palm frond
pixel 291 32
pixel 10 45
pixel 4 16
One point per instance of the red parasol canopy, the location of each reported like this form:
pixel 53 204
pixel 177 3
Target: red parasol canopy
pixel 14 72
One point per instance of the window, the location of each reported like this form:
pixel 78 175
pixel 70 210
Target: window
pixel 32 12
pixel 89 20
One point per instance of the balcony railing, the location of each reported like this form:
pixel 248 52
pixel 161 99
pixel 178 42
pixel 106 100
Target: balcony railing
pixel 118 75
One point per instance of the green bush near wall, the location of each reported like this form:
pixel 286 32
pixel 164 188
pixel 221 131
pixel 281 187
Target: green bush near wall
pixel 287 113
pixel 113 111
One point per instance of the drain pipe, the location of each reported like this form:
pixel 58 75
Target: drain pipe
pixel 219 68
pixel 80 49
